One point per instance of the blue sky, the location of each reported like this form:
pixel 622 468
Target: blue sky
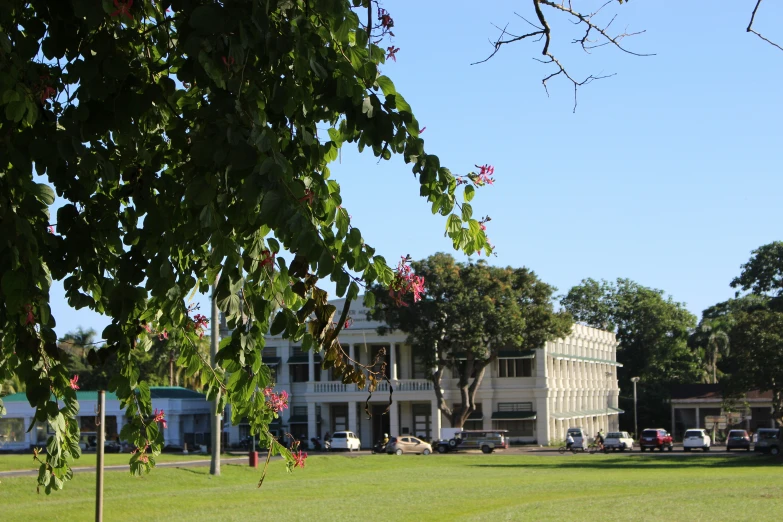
pixel 669 173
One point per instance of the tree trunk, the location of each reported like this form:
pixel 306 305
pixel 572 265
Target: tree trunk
pixel 171 368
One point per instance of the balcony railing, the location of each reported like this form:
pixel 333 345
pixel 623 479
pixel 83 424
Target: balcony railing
pixel 403 385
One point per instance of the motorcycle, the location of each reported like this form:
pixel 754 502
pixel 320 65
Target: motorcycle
pixel 315 443
pixel 379 447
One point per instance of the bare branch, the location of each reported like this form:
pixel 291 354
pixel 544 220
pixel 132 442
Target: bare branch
pixel 599 33
pixel 751 30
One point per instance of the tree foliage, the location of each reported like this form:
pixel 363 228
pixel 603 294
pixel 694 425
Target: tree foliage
pixel 652 331
pixel 185 140
pixel 756 335
pixel 471 311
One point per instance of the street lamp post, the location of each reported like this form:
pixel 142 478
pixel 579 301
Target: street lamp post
pixel 634 380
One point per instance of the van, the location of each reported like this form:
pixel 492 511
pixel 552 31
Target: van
pixel 578 434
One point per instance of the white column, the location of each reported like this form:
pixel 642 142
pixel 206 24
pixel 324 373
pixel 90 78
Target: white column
pixel 486 409
pixel 394 419
pixel 28 435
pixel 698 418
pixel 283 373
pixel 312 428
pixel 352 424
pixel 351 352
pixel 436 424
pixel 542 418
pixel 393 362
pixel 120 423
pixel 172 432
pixel 311 367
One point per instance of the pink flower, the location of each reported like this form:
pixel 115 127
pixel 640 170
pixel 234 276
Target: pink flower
pixel 485 173
pixel 73 382
pixel 348 323
pixel 228 62
pixel 268 258
pixel 159 416
pixel 422 129
pixel 308 197
pixel 483 226
pixel 299 459
pixel 406 282
pixel 123 8
pixel 391 52
pixel 164 335
pixel 277 401
pixel 148 328
pixel 30 317
pixel 386 20
pixel 199 322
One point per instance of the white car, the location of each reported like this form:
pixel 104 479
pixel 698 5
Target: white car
pixel 618 440
pixel 345 440
pixel 696 439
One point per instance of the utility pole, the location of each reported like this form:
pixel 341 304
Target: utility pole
pixel 214 467
pixel 101 414
pixel 634 380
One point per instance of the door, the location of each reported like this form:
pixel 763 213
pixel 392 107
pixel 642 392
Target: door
pixel 380 422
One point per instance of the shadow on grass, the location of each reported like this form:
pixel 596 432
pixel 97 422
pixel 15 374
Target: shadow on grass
pixel 641 462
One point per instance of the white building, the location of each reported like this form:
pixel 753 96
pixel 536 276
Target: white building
pixel 186 412
pixel 536 395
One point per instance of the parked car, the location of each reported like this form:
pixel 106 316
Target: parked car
pixel 408 444
pixel 738 439
pixel 768 441
pixel 485 440
pixel 618 440
pixel 655 438
pixel 696 439
pixel 345 440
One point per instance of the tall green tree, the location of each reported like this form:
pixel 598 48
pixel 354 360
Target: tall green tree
pixel 187 139
pixel 469 312
pixel 756 336
pixel 652 331
pixel 711 340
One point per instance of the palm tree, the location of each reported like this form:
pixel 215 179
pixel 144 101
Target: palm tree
pixel 712 339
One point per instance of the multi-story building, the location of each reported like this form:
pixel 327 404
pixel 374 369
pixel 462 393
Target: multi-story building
pixel 536 395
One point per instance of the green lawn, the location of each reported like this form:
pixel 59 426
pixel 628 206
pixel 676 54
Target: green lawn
pixel 437 487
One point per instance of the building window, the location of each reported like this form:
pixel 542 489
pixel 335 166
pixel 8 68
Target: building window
pixel 515 406
pixel 419 369
pixel 515 367
pixel 339 417
pixel 269 351
pixel 11 430
pixel 299 372
pixel 476 419
pixel 517 428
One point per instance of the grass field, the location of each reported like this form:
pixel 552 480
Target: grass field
pixel 438 487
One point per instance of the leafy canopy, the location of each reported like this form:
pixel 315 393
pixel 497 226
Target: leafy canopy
pixel 471 311
pixel 185 139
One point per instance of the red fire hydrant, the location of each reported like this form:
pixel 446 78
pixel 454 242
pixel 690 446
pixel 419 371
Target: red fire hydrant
pixel 253 459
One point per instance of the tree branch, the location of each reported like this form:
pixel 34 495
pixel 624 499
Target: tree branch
pixel 544 31
pixel 751 30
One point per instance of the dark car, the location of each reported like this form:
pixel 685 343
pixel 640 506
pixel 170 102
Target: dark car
pixel 655 438
pixel 738 439
pixel 768 441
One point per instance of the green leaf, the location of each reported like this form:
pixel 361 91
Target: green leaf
pixel 467 212
pixel 361 38
pixel 453 224
pixel 386 85
pixel 44 193
pixel 279 324
pixel 469 193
